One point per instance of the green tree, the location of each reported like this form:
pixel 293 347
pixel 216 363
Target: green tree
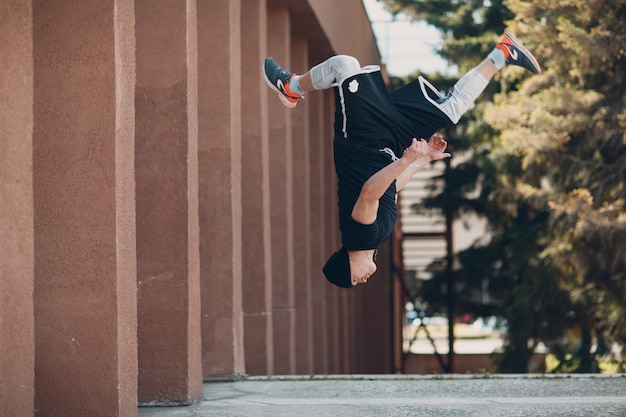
pixel 548 162
pixel 569 130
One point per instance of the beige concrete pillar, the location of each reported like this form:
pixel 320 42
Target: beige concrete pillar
pixel 219 68
pixel 17 339
pixel 167 203
pixel 84 208
pixel 319 138
pixel 256 238
pixel 281 201
pixel 302 220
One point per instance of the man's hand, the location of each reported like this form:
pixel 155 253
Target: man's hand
pixel 419 154
pixel 418 149
pixel 436 148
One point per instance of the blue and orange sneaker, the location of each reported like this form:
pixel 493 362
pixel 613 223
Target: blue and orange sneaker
pixel 516 54
pixel 278 79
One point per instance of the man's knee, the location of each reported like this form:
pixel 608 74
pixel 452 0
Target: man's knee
pixel 452 107
pixel 345 64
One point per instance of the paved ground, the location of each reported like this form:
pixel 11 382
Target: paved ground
pixel 406 395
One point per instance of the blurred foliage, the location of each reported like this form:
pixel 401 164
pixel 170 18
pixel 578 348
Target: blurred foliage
pixel 545 164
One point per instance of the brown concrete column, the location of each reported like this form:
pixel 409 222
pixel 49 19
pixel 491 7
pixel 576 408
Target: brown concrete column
pixel 302 220
pixel 256 238
pixel 17 338
pixel 320 137
pixel 349 356
pixel 374 323
pixel 281 201
pixel 345 324
pixel 333 241
pixel 84 208
pixel 220 105
pixel 333 320
pixel 167 203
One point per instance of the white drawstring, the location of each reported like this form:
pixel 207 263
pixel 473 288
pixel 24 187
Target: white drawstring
pixel 390 152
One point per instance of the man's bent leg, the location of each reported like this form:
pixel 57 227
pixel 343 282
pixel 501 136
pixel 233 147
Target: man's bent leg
pixel 291 87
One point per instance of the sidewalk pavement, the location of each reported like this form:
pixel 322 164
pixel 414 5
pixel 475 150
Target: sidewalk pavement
pixel 488 395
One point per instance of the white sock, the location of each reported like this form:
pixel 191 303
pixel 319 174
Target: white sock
pixel 497 58
pixel 294 85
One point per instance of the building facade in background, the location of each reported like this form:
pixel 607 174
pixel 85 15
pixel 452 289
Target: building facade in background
pixel 164 219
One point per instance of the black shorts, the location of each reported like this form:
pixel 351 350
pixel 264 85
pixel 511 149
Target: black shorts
pixel 366 113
